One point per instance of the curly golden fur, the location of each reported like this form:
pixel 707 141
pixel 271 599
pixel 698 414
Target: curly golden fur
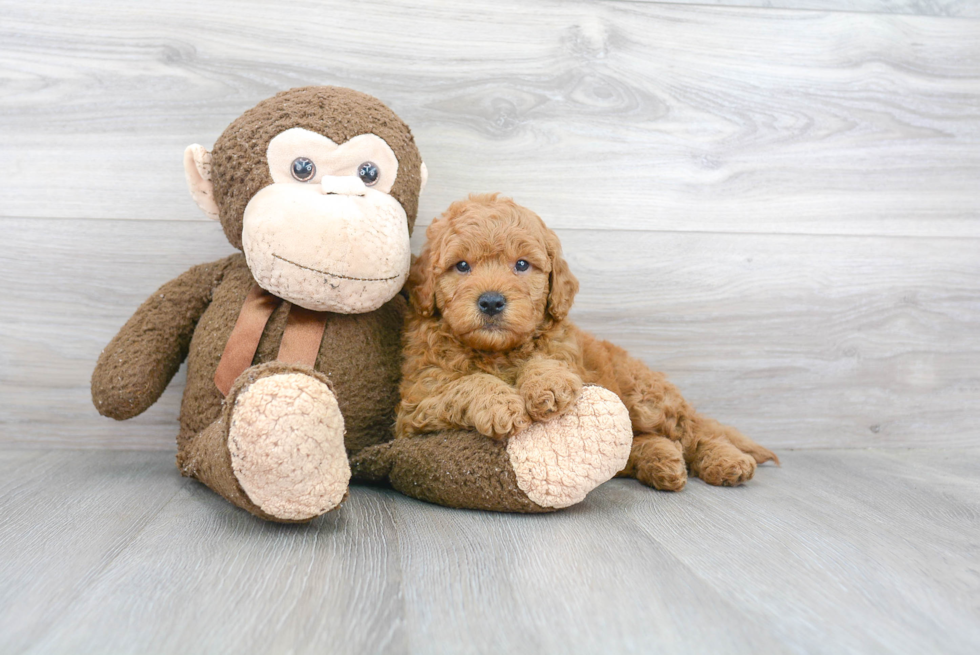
pixel 497 368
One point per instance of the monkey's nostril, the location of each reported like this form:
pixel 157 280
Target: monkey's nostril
pixel 491 303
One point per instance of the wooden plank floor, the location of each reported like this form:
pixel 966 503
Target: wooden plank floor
pixel 837 551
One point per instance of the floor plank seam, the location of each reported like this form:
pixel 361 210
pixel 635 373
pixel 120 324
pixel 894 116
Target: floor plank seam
pixel 420 227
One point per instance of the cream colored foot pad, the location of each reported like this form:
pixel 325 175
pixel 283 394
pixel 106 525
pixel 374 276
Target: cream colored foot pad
pixel 559 461
pixel 287 446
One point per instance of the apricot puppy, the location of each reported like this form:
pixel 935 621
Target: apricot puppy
pixel 488 347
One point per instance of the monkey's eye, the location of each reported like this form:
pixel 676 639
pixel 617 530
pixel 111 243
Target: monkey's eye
pixel 369 173
pixel 462 267
pixel 303 169
pixel 522 265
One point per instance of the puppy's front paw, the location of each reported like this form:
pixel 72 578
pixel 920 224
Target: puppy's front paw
pixel 503 415
pixel 547 396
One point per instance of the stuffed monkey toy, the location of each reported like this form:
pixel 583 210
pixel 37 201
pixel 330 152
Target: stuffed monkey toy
pixel 293 345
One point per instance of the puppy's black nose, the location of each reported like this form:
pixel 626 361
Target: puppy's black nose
pixel 491 303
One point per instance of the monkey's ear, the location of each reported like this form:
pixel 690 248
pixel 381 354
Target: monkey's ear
pixel 424 174
pixel 197 169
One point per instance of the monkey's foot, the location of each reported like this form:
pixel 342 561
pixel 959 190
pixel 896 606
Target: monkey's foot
pixel 558 462
pixel 286 440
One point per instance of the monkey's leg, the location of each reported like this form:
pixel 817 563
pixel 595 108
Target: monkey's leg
pixel 278 448
pixel 548 466
pixel 721 455
pixel 657 462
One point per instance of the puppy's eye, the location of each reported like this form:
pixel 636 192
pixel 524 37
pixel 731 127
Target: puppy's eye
pixel 462 267
pixel 522 265
pixel 303 169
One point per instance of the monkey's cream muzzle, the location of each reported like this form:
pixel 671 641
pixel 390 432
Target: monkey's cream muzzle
pixel 336 246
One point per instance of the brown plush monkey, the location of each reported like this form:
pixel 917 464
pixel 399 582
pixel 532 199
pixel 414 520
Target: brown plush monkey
pixel 293 346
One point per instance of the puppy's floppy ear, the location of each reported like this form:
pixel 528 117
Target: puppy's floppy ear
pixel 564 285
pixel 422 276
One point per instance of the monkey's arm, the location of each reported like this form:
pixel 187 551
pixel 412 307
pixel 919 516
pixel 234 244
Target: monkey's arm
pixel 479 401
pixel 143 357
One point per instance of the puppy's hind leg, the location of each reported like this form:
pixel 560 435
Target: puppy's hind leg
pixel 723 456
pixel 657 462
pixel 663 422
pixel 740 441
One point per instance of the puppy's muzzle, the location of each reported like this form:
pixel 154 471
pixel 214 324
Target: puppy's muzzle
pixel 491 303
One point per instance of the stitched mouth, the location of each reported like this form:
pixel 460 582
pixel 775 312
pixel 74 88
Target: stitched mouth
pixel 336 275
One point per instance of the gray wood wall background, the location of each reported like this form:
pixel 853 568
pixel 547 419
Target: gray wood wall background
pixel 775 202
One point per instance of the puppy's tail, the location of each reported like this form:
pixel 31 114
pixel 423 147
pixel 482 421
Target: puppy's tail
pixel 373 464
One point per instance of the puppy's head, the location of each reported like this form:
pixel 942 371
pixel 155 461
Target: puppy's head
pixel 493 272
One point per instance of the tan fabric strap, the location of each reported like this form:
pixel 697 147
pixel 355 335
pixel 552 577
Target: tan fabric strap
pixel 301 339
pixel 244 340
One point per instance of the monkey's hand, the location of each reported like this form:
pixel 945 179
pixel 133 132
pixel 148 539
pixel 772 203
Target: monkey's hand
pixel 548 388
pixel 139 362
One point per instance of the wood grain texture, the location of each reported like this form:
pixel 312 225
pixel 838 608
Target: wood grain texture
pixel 578 581
pixel 837 551
pixel 64 518
pixel 950 8
pixel 800 341
pixel 206 577
pixel 627 115
pixel 827 560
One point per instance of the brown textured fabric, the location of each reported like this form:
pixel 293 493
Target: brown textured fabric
pixel 455 469
pixel 244 340
pixel 139 362
pixel 302 337
pixel 208 460
pixel 238 159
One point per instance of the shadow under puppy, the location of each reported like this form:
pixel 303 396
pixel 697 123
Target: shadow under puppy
pixel 488 348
